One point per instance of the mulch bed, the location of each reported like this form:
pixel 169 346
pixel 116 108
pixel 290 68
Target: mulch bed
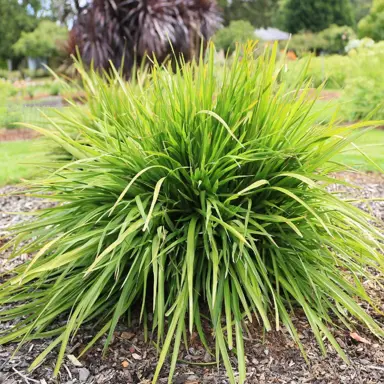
pixel 17 134
pixel 271 358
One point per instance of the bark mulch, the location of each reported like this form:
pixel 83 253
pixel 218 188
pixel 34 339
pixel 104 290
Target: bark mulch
pixel 17 134
pixel 271 358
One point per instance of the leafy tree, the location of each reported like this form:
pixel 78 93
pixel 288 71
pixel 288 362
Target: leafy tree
pixel 315 15
pixel 373 25
pixel 63 11
pixel 259 13
pixel 44 41
pixel 15 17
pixel 238 31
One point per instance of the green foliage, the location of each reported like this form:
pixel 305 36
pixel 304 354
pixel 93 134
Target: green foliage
pixel 361 8
pixel 336 38
pixel 35 74
pixel 314 15
pixel 333 70
pixel 260 13
pixel 45 41
pixel 373 24
pixel 15 17
pixel 10 75
pixel 331 40
pixel 237 32
pixel 190 194
pixel 303 43
pixel 7 114
pixel 364 89
pixel 55 88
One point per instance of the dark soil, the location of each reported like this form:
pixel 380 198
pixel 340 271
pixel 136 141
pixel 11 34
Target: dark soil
pixel 271 358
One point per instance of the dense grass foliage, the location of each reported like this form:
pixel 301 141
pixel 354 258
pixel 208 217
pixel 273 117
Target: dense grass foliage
pixel 201 199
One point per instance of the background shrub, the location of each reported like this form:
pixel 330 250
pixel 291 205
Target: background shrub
pixel 364 87
pixel 303 43
pixel 333 70
pixel 373 24
pixel 335 38
pixel 238 31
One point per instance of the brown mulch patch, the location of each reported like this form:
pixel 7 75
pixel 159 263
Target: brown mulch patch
pixel 16 134
pixel 330 95
pixel 325 94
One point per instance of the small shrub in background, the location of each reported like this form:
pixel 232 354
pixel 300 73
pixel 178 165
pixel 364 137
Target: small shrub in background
pixel 331 70
pixel 336 38
pixel 35 74
pixel 332 40
pixel 10 75
pixel 355 44
pixel 31 91
pixel 238 31
pixel 202 199
pixel 8 115
pixel 304 43
pixel 364 87
pixel 55 89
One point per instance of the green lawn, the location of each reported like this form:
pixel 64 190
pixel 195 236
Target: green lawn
pixel 372 144
pixel 19 160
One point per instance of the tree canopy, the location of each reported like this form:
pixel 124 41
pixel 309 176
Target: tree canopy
pixel 15 17
pixel 315 15
pixel 260 13
pixel 373 24
pixel 44 41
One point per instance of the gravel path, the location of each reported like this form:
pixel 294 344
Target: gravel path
pixel 273 359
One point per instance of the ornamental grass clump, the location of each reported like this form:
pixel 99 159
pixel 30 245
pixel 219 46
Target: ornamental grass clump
pixel 199 196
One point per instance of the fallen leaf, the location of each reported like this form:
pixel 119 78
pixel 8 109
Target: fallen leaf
pixel 127 335
pixel 136 356
pixel 74 361
pixel 125 364
pixel 358 338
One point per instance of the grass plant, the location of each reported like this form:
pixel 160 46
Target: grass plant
pixel 199 198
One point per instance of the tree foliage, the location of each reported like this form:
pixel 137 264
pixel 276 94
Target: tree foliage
pixel 45 41
pixel 15 17
pixel 260 13
pixel 315 15
pixel 373 25
pixel 113 30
